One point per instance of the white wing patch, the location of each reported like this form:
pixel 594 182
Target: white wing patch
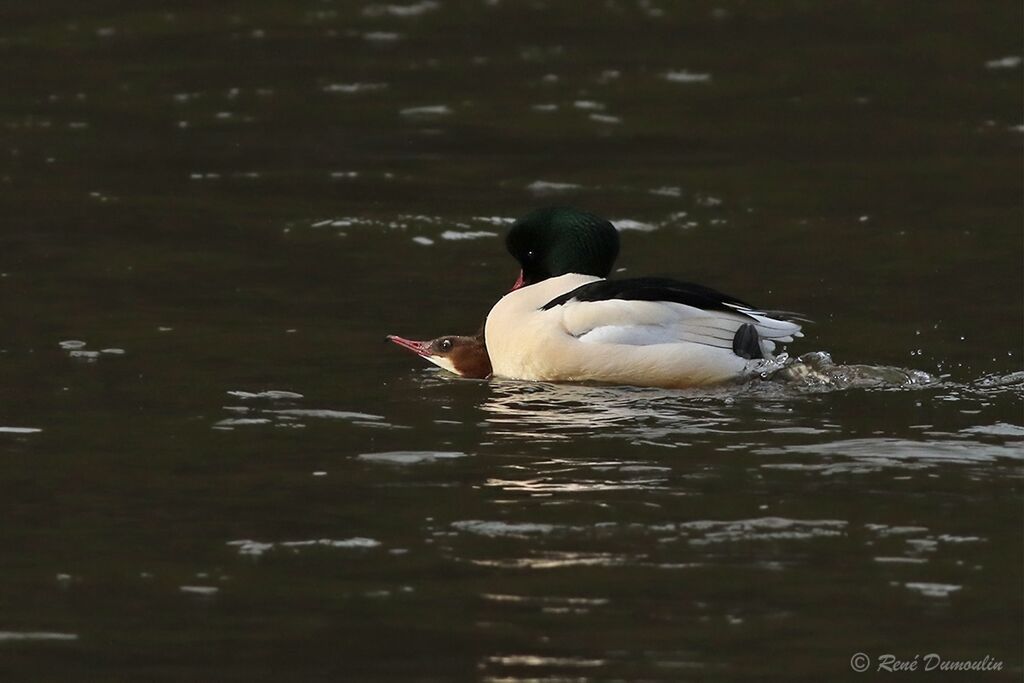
pixel 644 323
pixel 647 335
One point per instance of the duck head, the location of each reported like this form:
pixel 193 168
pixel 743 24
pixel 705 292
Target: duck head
pixel 558 240
pixel 464 356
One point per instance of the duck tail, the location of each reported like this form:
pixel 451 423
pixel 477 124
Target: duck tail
pixel 747 342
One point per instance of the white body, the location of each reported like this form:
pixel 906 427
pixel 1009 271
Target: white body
pixel 648 343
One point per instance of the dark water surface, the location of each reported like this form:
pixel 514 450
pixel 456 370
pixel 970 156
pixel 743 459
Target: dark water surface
pixel 212 467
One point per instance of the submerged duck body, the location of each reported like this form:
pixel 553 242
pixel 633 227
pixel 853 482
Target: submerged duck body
pixel 564 321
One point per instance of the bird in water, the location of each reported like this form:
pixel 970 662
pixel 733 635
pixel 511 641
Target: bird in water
pixel 565 321
pixel 462 355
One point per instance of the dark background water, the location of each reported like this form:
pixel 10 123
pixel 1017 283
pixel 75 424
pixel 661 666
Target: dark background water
pixel 224 199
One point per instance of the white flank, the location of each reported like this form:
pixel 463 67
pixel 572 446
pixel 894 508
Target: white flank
pixel 650 343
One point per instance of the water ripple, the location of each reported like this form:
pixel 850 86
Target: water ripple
pixel 36 635
pixel 253 548
pixel 872 454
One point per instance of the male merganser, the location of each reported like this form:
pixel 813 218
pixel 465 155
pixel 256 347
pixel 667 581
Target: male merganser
pixel 563 321
pixel 465 356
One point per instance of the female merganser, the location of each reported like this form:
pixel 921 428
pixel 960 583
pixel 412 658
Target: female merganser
pixel 465 356
pixel 563 321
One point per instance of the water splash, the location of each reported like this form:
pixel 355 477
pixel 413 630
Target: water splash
pixel 817 370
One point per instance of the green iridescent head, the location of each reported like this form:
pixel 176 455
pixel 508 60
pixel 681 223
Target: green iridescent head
pixel 558 240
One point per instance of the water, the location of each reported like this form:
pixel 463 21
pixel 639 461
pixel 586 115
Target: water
pixel 213 466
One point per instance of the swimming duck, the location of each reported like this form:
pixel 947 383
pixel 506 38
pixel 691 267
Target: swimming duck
pixel 565 321
pixel 464 356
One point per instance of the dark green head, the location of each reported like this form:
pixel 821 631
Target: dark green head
pixel 557 240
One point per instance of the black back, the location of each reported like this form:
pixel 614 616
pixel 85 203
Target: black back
pixel 651 289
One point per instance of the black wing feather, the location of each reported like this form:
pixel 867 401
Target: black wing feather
pixel 651 289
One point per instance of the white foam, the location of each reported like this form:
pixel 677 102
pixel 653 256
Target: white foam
pixel 353 88
pixel 951 538
pixel 901 560
pixel 402 11
pixel 708 201
pixel 410 457
pixel 684 76
pixel 471 235
pixel 558 560
pixel 547 187
pixel 327 414
pixel 20 430
pixel 242 421
pixel 923 545
pixel 433 110
pixel 494 220
pixel 1008 62
pixel 404 221
pixel 667 191
pixel 886 530
pixel 763 528
pixel 257 548
pixel 933 590
pixel 425 241
pixel 502 529
pixel 253 548
pixel 546 661
pixel 340 222
pixel 876 453
pixel 997 429
pixel 272 394
pixel 354 542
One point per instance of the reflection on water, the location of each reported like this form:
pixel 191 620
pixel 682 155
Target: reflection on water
pixel 546 411
pixel 867 454
pixel 258 548
pixel 35 635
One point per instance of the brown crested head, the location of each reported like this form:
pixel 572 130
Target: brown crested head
pixel 465 356
pixel 468 355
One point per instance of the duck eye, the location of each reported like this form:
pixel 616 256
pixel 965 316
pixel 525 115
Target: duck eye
pixel 446 344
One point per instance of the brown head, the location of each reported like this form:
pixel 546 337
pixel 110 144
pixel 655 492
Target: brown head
pixel 465 356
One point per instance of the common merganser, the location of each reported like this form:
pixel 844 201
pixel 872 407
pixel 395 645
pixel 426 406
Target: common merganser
pixel 564 321
pixel 464 356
